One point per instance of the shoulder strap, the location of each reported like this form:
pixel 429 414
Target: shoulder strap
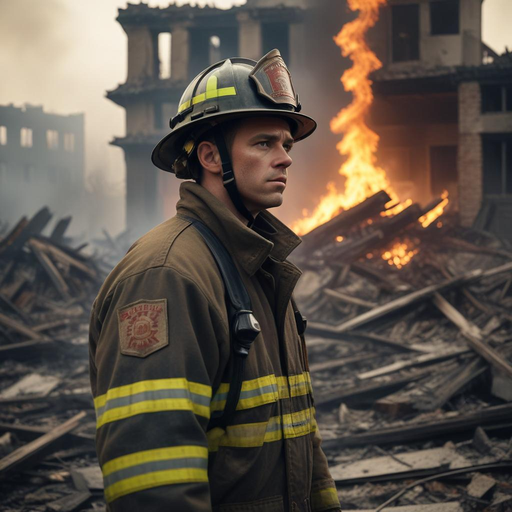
pixel 244 327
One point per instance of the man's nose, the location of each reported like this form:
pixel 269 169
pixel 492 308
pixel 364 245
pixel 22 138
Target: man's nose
pixel 284 159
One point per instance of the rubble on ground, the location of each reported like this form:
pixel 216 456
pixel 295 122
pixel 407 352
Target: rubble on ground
pixel 410 348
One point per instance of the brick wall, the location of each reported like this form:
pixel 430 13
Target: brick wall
pixel 470 152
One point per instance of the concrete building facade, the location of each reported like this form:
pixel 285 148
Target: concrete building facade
pixel 198 37
pixel 443 108
pixel 442 103
pixel 41 162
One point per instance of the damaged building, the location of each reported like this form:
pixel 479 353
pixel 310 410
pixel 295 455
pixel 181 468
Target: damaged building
pixel 442 98
pixel 443 108
pixel 166 49
pixel 41 162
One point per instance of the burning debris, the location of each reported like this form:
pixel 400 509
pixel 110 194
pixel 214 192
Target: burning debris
pixel 410 347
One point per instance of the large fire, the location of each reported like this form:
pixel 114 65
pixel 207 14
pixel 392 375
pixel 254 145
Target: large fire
pixel 363 177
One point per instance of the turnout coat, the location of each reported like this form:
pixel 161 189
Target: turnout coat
pixel 159 352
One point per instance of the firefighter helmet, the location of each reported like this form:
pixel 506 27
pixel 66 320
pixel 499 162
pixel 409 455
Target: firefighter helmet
pixel 230 89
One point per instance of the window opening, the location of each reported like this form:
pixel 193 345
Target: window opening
pixel 444 17
pixel 214 49
pixel 276 35
pixel 69 142
pixel 3 135
pixel 52 139
pixel 26 137
pixel 443 168
pixel 405 27
pixel 497 166
pixel 496 98
pixel 164 55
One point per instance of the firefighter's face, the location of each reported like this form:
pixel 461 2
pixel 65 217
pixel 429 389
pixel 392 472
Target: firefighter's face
pixel 261 156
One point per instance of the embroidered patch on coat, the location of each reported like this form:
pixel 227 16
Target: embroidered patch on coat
pixel 143 327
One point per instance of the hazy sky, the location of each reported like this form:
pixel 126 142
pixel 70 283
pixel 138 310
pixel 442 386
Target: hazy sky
pixel 64 55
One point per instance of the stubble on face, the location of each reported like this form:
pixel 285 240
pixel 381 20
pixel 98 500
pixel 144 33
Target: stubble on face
pixel 260 155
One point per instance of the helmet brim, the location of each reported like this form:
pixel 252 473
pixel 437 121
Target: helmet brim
pixel 170 147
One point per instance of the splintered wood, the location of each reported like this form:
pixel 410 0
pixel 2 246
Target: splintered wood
pixel 410 354
pixel 46 410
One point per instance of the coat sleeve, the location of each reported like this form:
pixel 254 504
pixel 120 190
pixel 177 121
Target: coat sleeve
pixel 157 348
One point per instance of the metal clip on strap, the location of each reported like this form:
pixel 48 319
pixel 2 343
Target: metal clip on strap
pixel 244 327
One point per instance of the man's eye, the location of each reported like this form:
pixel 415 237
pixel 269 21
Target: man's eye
pixel 288 147
pixel 263 143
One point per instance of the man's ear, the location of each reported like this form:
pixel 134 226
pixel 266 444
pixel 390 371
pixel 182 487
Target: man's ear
pixel 209 158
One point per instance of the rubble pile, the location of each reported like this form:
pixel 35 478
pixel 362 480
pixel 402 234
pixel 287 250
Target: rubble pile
pixel 410 348
pixel 47 423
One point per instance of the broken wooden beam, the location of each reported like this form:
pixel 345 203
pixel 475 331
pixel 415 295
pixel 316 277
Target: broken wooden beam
pixel 351 249
pixel 344 221
pixel 410 299
pixel 402 434
pixel 367 393
pixel 473 335
pixel 35 451
pixel 19 327
pixel 348 299
pixel 414 361
pixel 51 270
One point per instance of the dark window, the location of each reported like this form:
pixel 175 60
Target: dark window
pixel 443 168
pixel 276 35
pixel 497 154
pixel 405 26
pixel 444 17
pixel 496 98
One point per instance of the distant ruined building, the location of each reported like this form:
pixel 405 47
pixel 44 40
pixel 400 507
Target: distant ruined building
pixel 443 99
pixel 41 163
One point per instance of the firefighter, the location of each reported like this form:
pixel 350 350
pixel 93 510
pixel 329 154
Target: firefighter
pixel 163 357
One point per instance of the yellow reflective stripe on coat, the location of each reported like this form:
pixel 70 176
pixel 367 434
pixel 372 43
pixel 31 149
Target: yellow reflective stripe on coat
pixel 253 435
pixel 211 92
pixel 324 499
pixel 154 468
pixel 152 396
pixel 264 390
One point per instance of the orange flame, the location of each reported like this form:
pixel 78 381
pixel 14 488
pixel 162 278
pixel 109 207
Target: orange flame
pixel 435 213
pixel 400 254
pixel 359 144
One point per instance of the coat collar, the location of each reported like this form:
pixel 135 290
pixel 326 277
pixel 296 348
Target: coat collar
pixel 250 247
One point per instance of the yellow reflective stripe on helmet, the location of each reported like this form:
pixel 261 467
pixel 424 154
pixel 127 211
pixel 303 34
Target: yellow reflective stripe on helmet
pixel 152 396
pixel 254 435
pixel 211 92
pixel 154 468
pixel 324 499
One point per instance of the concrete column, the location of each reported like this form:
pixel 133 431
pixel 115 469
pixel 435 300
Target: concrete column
pixel 297 44
pixel 180 53
pixel 470 158
pixel 143 208
pixel 249 37
pixel 141 53
pixel 471 31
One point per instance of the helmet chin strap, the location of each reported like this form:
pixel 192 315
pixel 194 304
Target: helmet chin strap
pixel 228 176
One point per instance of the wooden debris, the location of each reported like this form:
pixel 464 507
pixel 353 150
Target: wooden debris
pixel 480 485
pixel 399 466
pixel 473 335
pixel 492 416
pixel 31 453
